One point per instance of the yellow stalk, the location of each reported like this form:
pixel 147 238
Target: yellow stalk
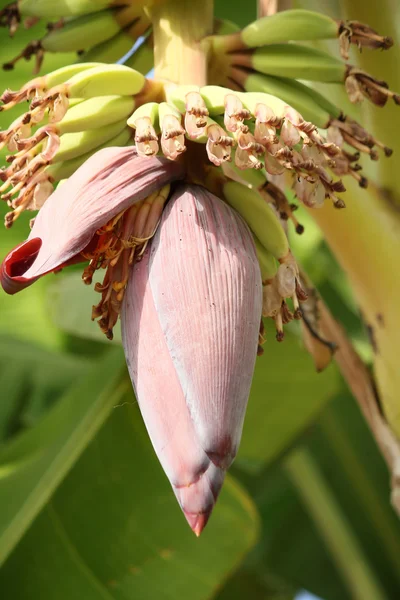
pixel 178 28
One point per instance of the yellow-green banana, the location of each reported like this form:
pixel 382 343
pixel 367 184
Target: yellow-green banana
pixel 81 33
pixel 142 59
pixel 268 264
pixel 145 122
pixel 101 80
pixel 293 61
pixel 96 112
pixel 80 142
pixel 62 169
pixel 311 104
pixel 112 50
pixel 300 25
pixel 259 217
pixel 42 84
pixel 289 25
pixel 62 8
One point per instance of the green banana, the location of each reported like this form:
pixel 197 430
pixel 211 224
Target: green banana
pixel 84 32
pixel 176 95
pixel 259 217
pixel 165 110
pixel 172 132
pixel 142 59
pixel 268 264
pixel 112 50
pixel 293 61
pixel 100 80
pixel 215 98
pixel 76 144
pixel 254 177
pixel 93 112
pixel 145 122
pixel 301 25
pixel 311 104
pixel 65 168
pixel 146 111
pixel 62 8
pixel 43 84
pixel 86 116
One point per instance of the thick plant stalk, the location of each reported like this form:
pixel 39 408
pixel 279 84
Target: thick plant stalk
pixel 362 386
pixel 365 239
pixel 385 124
pixel 178 27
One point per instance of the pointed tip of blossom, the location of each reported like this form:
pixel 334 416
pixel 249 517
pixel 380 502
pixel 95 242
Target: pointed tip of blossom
pixel 198 522
pixel 197 499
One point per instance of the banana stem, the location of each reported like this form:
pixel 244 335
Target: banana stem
pixel 366 242
pixel 178 28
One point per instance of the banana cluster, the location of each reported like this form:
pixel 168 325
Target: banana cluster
pixel 98 30
pixel 248 138
pixel 72 115
pixel 253 130
pixel 265 57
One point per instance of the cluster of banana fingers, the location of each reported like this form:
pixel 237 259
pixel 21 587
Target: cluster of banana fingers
pixel 262 47
pixel 72 115
pixel 98 30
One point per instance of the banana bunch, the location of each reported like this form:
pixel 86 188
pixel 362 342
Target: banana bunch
pixel 72 115
pixel 301 25
pixel 99 31
pixel 262 131
pixel 264 57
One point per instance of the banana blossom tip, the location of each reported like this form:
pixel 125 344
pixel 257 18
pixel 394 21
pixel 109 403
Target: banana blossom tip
pixel 185 278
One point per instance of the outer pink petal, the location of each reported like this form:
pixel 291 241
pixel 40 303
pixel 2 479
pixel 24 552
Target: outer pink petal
pixel 207 290
pixel 195 480
pixel 190 325
pixel 108 182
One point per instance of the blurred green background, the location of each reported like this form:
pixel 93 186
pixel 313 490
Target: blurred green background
pixel 85 509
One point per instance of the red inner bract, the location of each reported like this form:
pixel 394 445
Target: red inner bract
pixel 23 257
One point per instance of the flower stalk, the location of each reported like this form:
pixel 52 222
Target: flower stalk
pixel 178 28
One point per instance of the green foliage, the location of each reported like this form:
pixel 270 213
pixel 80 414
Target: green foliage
pixel 113 528
pixel 85 510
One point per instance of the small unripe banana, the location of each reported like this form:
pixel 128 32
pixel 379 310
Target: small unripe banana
pixel 143 59
pixel 295 62
pixel 84 32
pixel 110 51
pixel 62 8
pixel 66 168
pixel 268 264
pixel 310 104
pixel 96 112
pixel 301 25
pixel 78 143
pixel 145 122
pixel 172 132
pixel 259 217
pixel 99 80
